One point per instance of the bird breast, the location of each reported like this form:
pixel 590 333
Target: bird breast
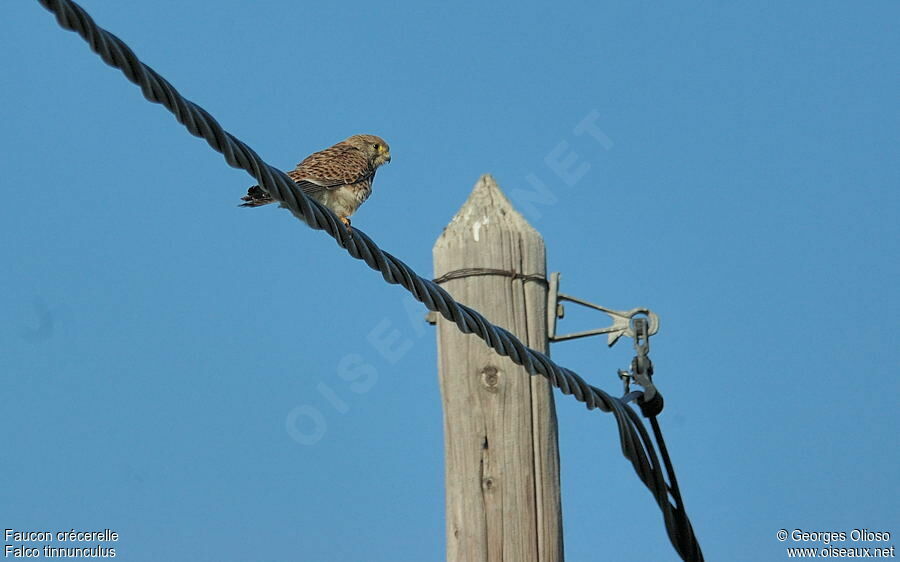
pixel 345 200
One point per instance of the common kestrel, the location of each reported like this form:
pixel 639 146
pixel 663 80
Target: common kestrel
pixel 339 177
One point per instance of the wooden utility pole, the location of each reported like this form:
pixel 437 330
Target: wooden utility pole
pixel 501 452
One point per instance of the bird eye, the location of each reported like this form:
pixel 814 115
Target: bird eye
pixel 376 146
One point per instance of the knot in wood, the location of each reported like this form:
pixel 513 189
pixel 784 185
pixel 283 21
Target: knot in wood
pixel 490 377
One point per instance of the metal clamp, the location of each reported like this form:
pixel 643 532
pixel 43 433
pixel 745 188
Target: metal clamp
pixel 623 321
pixel 641 372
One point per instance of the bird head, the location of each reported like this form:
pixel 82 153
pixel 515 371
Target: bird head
pixel 376 150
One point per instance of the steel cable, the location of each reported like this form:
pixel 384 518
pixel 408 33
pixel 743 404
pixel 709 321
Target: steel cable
pixel 635 442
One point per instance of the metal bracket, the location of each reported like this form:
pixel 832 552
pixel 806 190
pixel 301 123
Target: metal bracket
pixel 623 321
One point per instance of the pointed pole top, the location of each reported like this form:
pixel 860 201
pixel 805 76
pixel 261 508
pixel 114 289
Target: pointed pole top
pixel 486 207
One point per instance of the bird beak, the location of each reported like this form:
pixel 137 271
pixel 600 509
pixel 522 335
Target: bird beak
pixel 388 158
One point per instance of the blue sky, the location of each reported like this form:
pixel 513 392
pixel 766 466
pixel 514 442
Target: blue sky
pixel 155 338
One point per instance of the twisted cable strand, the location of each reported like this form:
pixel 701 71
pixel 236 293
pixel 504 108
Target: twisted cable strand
pixel 634 441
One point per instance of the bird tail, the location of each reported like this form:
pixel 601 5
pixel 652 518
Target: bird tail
pixel 256 197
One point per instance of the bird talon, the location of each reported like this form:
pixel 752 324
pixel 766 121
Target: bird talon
pixel 346 221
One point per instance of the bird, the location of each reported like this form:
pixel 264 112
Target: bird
pixel 339 177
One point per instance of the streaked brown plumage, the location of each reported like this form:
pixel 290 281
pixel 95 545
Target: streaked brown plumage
pixel 339 177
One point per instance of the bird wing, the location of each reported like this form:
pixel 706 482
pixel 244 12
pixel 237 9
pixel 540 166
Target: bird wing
pixel 331 168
